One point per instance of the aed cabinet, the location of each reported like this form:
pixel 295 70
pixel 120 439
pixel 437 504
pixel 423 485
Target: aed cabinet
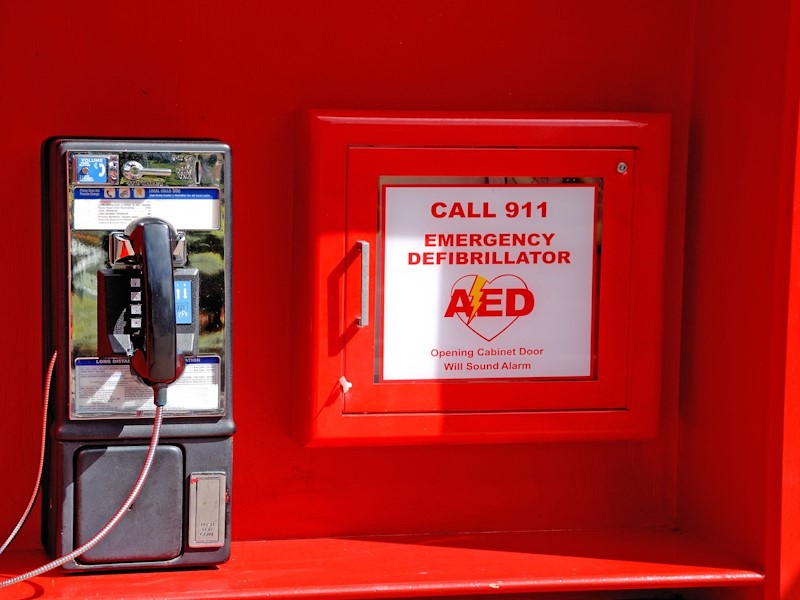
pixel 480 277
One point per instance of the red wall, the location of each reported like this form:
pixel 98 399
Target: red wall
pixel 239 72
pixel 738 421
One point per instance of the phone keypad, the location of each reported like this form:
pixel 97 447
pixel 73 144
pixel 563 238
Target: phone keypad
pixel 135 308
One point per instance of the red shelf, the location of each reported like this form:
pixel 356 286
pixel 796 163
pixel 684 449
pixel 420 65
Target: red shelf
pixel 446 565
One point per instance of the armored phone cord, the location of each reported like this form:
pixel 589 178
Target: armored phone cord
pixel 37 485
pixel 148 461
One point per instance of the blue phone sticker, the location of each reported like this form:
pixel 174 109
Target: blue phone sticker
pixel 91 169
pixel 183 302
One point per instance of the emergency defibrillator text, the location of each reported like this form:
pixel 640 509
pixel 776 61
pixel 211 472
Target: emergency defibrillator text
pixel 490 240
pixel 531 257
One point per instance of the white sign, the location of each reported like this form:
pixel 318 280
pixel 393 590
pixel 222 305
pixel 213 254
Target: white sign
pixel 105 387
pixel 114 207
pixel 488 282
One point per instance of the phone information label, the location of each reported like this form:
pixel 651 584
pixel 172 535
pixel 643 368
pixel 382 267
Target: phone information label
pixel 488 282
pixel 104 387
pixel 113 207
pixel 183 302
pixel 92 169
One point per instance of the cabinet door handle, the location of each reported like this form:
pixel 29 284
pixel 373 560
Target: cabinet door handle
pixel 363 319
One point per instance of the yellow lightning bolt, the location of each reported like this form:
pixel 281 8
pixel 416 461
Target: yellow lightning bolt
pixel 476 293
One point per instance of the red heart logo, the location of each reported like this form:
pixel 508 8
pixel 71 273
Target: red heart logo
pixel 492 304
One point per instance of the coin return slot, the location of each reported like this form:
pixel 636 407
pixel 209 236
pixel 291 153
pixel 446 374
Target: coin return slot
pixel 206 510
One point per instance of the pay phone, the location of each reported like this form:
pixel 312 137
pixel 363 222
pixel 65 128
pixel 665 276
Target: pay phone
pixel 137 297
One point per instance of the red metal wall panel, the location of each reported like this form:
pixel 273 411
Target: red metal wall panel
pixel 240 72
pixel 734 319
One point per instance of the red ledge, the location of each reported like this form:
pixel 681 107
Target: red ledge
pixel 433 565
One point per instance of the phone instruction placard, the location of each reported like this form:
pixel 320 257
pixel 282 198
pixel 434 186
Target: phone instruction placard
pixel 105 386
pixel 114 207
pixel 488 282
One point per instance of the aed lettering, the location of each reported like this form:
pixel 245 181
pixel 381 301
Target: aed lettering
pixel 518 302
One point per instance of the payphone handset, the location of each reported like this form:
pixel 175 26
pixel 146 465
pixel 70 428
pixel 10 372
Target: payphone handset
pixel 138 306
pixel 155 359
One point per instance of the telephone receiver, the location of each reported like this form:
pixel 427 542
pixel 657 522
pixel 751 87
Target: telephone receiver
pixel 157 363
